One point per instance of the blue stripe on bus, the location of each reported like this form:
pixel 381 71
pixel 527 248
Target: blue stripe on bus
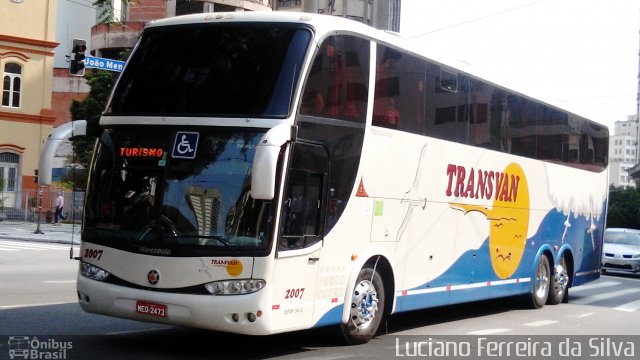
pixel 473 267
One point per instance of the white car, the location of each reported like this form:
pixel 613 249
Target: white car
pixel 621 251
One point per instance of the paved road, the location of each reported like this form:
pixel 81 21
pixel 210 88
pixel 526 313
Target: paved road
pixel 38 299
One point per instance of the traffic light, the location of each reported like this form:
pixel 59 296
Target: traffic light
pixel 76 65
pixel 36 177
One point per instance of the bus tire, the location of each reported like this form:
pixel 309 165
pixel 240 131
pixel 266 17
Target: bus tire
pixel 541 283
pixel 366 308
pixel 559 291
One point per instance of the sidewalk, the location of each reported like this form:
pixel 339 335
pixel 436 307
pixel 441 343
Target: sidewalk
pixel 26 231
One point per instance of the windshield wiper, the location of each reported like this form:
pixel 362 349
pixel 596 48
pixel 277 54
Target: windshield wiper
pixel 219 238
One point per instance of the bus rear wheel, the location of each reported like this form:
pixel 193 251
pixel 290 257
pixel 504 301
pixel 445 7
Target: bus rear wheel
pixel 541 282
pixel 560 284
pixel 366 308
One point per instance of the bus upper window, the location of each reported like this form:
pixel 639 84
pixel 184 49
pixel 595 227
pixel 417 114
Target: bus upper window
pixel 399 96
pixel 216 70
pixel 337 85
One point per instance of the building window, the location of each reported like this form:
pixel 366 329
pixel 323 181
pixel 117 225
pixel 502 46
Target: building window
pixel 288 3
pixel 11 85
pixel 8 170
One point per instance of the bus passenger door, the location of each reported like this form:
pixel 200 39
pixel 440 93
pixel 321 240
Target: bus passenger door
pixel 300 241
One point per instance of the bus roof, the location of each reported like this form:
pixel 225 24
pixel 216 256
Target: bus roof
pixel 319 21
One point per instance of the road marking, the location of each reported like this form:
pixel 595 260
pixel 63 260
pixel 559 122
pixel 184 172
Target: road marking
pixel 32 246
pixel 606 296
pixel 583 315
pixel 630 306
pixel 19 306
pixel 541 323
pixel 595 286
pixel 488 331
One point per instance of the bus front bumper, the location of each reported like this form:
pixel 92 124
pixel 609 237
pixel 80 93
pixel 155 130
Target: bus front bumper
pixel 242 314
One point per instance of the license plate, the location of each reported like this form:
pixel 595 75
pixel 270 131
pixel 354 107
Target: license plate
pixel 153 309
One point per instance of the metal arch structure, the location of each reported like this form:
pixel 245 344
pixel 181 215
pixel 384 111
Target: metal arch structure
pixel 59 135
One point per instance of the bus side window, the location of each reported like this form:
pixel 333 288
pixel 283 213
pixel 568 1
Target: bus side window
pixel 337 84
pixel 399 73
pixel 304 197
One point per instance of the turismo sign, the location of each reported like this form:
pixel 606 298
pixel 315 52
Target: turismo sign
pixel 104 64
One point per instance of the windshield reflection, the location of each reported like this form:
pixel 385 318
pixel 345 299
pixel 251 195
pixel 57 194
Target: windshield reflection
pixel 159 200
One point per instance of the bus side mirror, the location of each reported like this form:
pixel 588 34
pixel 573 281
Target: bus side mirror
pixel 265 161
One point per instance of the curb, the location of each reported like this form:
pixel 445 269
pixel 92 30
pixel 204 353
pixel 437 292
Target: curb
pixel 26 231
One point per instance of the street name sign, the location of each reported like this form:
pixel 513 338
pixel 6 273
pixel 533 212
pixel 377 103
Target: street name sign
pixel 91 62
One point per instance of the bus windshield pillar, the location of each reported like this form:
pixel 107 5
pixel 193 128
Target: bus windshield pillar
pixel 263 172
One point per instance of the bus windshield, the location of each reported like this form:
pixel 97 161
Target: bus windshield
pixel 213 70
pixel 142 196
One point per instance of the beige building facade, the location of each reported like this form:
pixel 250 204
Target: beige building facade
pixel 27 45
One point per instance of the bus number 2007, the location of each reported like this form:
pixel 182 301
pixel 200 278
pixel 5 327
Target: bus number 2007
pixel 294 293
pixel 92 254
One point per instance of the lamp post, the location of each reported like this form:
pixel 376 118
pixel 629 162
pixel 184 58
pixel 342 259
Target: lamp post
pixel 38 231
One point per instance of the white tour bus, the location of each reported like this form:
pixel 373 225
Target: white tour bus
pixel 261 172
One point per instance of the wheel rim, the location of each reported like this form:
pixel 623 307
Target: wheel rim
pixel 364 304
pixel 542 281
pixel 561 279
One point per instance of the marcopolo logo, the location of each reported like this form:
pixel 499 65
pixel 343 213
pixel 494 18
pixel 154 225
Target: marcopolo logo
pixel 25 347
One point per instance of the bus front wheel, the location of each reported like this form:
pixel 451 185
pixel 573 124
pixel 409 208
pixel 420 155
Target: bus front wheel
pixel 366 308
pixel 541 282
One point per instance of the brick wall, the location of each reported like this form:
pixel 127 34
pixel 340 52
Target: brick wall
pixel 66 88
pixel 61 103
pixel 145 10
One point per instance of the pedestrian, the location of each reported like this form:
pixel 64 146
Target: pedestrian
pixel 59 206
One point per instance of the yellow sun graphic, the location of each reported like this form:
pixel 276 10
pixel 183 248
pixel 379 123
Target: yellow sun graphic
pixel 508 220
pixel 234 267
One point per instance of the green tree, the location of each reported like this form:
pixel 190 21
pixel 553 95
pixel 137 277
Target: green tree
pixel 623 208
pixel 100 82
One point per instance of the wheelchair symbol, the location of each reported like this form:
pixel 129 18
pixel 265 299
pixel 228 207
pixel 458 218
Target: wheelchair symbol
pixel 185 145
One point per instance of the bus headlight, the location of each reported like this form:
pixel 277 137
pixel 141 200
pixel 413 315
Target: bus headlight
pixel 93 272
pixel 234 287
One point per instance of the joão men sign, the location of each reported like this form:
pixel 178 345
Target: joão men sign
pixel 91 62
